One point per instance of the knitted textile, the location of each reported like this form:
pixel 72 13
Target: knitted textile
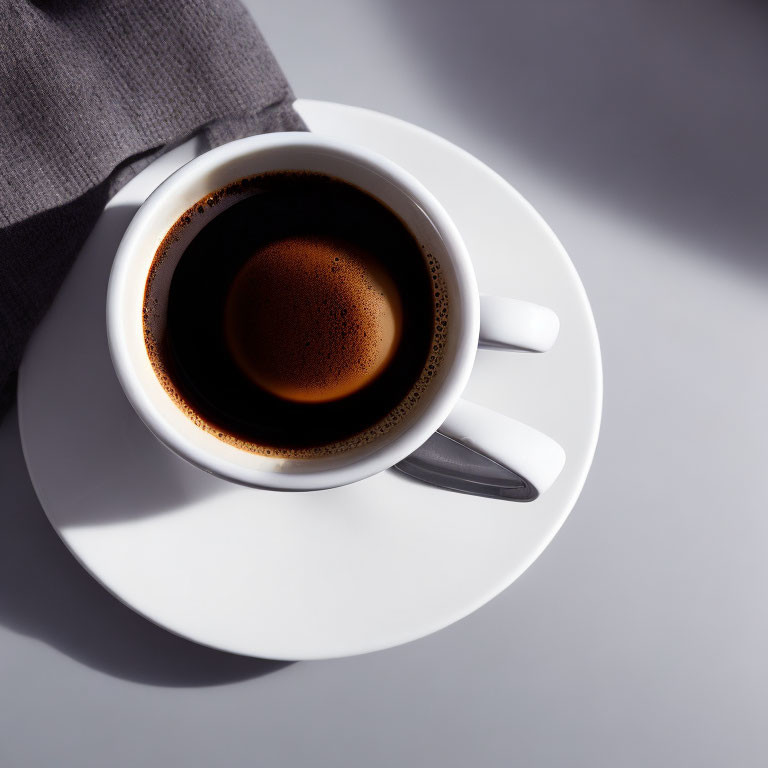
pixel 90 92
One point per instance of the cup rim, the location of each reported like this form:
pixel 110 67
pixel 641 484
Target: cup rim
pixel 421 427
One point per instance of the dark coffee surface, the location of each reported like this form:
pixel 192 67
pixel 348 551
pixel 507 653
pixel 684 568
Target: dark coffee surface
pixel 303 317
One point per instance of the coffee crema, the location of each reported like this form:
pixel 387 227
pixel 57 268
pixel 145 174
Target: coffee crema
pixel 291 314
pixel 312 319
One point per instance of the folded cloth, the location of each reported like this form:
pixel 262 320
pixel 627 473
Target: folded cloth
pixel 90 92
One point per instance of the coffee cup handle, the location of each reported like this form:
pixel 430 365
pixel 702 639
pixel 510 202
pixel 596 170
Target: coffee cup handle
pixel 513 324
pixel 533 456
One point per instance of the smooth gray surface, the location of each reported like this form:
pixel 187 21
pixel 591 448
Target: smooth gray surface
pixel 638 638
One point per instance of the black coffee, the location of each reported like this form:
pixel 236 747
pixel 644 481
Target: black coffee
pixel 293 314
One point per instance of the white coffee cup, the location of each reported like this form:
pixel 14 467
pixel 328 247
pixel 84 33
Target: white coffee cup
pixel 492 321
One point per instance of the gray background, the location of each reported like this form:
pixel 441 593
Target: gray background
pixel 638 638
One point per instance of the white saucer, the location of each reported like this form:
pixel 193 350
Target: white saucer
pixel 329 573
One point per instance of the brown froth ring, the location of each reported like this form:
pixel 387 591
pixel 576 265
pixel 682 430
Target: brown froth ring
pixel 312 319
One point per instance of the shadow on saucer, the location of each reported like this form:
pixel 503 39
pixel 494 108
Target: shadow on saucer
pixel 94 449
pixel 45 593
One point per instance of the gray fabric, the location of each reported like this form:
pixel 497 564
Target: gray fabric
pixel 90 92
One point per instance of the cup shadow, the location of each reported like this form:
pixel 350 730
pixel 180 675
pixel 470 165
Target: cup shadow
pixel 97 436
pixel 45 593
